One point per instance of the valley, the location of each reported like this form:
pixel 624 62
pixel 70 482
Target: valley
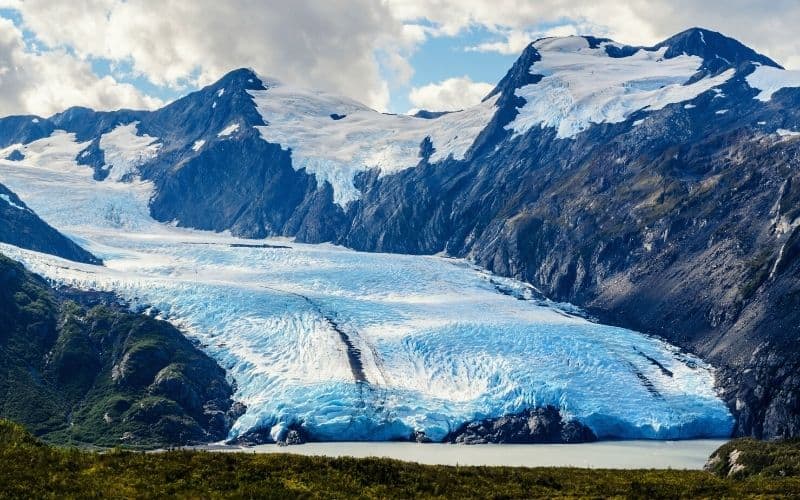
pixel 345 345
pixel 606 246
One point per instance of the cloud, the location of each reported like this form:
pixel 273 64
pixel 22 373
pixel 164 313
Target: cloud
pixel 358 48
pixel 46 82
pixel 449 95
pixel 768 27
pixel 515 41
pixel 330 45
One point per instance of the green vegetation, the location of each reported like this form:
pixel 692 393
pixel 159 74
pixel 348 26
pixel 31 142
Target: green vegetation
pixel 98 374
pixel 29 469
pixel 742 458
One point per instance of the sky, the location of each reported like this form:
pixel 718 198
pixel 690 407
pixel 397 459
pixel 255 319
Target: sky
pixel 393 55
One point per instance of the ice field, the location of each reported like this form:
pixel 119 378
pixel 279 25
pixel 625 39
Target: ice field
pixel 359 346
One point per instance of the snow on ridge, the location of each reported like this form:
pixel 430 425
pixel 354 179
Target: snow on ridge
pixel 769 80
pixel 124 150
pixel 66 196
pixel 57 151
pixel 9 201
pixel 582 86
pixel 782 132
pixel 233 127
pixel 198 144
pixel 334 150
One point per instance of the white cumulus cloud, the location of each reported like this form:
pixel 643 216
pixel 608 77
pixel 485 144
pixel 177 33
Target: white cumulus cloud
pixel 768 27
pixel 50 81
pixel 330 45
pixel 449 95
pixel 357 48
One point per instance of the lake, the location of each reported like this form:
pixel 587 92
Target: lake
pixel 638 454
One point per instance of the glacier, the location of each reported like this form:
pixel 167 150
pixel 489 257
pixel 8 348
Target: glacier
pixel 565 99
pixel 438 341
pixel 335 137
pixel 768 80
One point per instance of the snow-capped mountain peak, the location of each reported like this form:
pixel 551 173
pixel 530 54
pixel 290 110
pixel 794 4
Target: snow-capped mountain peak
pixel 335 137
pixel 562 85
pixel 718 51
pixel 585 81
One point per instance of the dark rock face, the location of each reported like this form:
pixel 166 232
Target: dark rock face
pixel 718 51
pixel 78 367
pixel 15 155
pixel 23 129
pixel 292 434
pixel 293 437
pixel 253 437
pixel 21 227
pixel 539 425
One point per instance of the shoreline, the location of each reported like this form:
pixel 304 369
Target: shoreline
pixel 626 454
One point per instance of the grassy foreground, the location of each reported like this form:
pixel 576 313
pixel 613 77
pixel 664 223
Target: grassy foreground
pixel 31 469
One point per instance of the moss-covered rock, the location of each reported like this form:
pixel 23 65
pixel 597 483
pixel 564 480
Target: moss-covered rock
pixel 78 367
pixel 742 458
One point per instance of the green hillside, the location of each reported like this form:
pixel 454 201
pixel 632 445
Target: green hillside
pixel 30 469
pixel 77 367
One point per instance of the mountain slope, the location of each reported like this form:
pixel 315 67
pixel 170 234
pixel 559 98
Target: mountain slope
pixel 78 367
pixel 656 186
pixel 21 227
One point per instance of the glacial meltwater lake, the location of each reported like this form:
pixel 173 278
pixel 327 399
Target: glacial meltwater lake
pixel 634 454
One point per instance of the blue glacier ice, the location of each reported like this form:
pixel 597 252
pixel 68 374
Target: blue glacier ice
pixel 436 342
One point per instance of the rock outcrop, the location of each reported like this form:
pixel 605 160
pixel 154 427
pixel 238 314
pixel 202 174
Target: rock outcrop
pixel 20 226
pixel 539 425
pixel 79 367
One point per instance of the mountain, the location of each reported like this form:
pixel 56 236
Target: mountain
pixel 655 186
pixel 20 226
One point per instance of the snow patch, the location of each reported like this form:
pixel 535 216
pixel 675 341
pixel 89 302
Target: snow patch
pixel 124 150
pixel 9 201
pixel 35 120
pixel 50 170
pixel 582 86
pixel 336 150
pixel 58 151
pixel 721 112
pixel 770 80
pixel 689 106
pixel 233 127
pixel 787 133
pixel 198 144
pixel 220 92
